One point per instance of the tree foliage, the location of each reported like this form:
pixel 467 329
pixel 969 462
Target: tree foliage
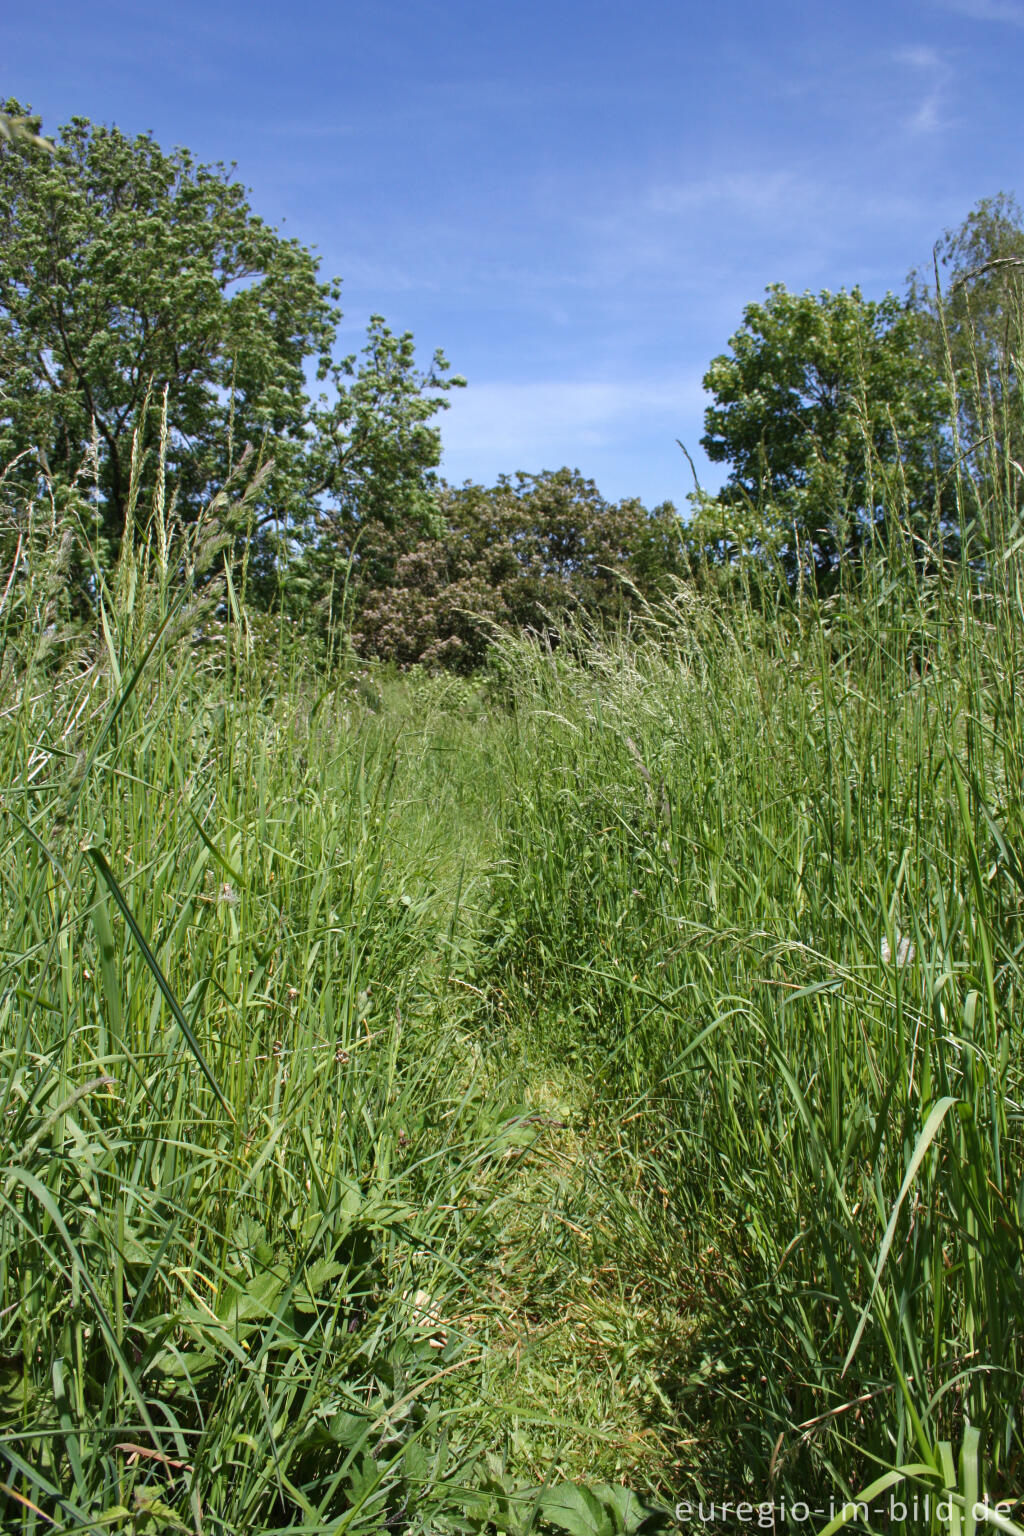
pixel 374 454
pixel 126 270
pixel 18 128
pixel 530 553
pixel 971 310
pixel 816 394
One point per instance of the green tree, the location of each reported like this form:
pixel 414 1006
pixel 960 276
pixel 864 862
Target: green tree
pixel 373 457
pixel 973 329
pixel 829 416
pixel 125 270
pixel 17 128
pixel 527 554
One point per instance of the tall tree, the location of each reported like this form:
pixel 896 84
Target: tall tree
pixel 373 456
pixel 829 418
pixel 972 322
pixel 124 270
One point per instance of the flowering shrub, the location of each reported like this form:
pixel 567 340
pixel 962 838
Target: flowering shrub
pixel 522 555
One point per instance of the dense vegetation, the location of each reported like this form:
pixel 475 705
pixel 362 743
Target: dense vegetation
pixel 532 1094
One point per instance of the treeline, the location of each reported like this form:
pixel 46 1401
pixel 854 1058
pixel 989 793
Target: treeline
pixel 155 331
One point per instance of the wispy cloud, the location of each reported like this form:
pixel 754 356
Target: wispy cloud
pixel 548 422
pixel 706 245
pixel 1011 11
pixel 935 74
pixel 745 192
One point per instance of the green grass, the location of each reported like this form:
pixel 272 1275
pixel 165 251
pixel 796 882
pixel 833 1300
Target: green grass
pixel 443 1106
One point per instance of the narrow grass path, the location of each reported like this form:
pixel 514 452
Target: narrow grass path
pixel 575 1337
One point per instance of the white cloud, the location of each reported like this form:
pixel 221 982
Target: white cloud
pixel 549 422
pixel 921 57
pixel 935 73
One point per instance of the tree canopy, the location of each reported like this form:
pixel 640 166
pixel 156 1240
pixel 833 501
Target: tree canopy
pixel 533 553
pixel 126 270
pixel 971 308
pixel 816 394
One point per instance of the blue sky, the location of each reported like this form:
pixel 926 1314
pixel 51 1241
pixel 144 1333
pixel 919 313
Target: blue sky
pixel 576 198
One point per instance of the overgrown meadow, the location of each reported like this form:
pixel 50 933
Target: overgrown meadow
pixel 518 1103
